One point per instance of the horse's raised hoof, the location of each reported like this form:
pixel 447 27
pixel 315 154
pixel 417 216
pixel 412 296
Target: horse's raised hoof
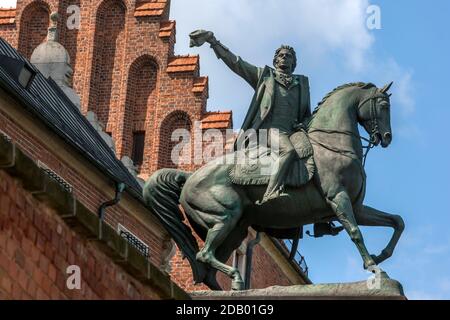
pixel 369 264
pixel 237 285
pixel 376 258
pixel 381 257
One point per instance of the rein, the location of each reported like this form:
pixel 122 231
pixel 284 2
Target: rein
pixel 369 146
pixel 370 142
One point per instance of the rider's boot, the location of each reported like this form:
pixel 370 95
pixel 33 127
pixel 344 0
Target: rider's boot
pixel 271 195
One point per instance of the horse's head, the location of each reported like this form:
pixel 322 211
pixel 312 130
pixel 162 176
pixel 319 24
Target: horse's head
pixel 374 114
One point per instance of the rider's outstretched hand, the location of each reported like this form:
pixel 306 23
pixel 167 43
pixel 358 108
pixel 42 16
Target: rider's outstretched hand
pixel 199 37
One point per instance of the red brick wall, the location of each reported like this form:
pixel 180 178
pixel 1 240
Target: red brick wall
pixel 173 100
pixel 70 38
pixel 33 27
pixel 107 62
pixel 176 120
pixel 8 32
pixel 140 106
pixel 88 194
pixel 265 272
pixel 36 247
pixel 103 51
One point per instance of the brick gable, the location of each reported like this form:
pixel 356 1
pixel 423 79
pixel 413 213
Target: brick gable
pixel 126 71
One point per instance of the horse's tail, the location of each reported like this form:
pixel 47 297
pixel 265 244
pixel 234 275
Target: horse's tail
pixel 162 194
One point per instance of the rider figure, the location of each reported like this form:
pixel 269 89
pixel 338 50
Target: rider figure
pixel 280 105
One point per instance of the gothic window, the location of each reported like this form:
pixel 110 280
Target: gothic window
pixel 140 107
pixel 107 61
pixel 33 27
pixel 138 147
pixel 171 154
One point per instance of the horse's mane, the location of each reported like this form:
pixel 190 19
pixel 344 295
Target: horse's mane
pixel 362 85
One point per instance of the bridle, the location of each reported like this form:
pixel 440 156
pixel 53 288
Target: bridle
pixel 374 128
pixel 373 113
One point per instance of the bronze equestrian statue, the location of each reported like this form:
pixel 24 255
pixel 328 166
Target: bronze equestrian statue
pixel 281 102
pixel 321 182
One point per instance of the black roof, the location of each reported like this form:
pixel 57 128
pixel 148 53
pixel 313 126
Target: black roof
pixel 47 102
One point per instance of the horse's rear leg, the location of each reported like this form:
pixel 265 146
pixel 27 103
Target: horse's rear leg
pixel 221 227
pixel 368 216
pixel 231 243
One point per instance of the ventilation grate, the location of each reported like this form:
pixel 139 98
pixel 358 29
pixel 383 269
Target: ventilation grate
pixel 134 241
pixel 52 174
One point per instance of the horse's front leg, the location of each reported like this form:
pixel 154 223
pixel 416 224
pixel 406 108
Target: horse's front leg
pixel 368 216
pixel 342 207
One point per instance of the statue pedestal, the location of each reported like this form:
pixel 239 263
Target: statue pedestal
pixel 388 289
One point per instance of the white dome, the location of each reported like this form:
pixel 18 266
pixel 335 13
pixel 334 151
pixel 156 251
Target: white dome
pixel 50 52
pixel 53 61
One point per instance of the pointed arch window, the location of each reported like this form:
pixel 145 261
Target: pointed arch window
pixel 138 147
pixel 33 27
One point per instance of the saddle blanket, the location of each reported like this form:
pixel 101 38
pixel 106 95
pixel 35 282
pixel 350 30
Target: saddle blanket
pixel 258 165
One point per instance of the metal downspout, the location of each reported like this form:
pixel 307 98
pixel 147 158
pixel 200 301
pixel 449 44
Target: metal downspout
pixel 248 259
pixel 120 187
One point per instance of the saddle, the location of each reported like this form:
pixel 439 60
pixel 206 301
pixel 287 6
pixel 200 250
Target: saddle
pixel 258 165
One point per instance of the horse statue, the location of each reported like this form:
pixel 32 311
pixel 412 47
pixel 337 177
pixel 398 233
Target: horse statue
pixel 220 211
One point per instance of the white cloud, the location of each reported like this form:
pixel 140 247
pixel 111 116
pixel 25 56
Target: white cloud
pixel 8 3
pixel 403 96
pixel 318 27
pixel 403 85
pixel 324 32
pixel 330 36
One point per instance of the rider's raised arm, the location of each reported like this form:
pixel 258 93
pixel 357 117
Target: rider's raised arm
pixel 247 71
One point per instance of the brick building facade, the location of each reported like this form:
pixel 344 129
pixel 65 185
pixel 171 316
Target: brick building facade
pixel 51 191
pixel 125 70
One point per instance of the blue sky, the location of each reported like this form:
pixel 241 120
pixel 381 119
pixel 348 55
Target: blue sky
pixel 411 177
pixel 412 48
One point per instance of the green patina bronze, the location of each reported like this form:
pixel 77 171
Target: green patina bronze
pixel 220 211
pixel 281 102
